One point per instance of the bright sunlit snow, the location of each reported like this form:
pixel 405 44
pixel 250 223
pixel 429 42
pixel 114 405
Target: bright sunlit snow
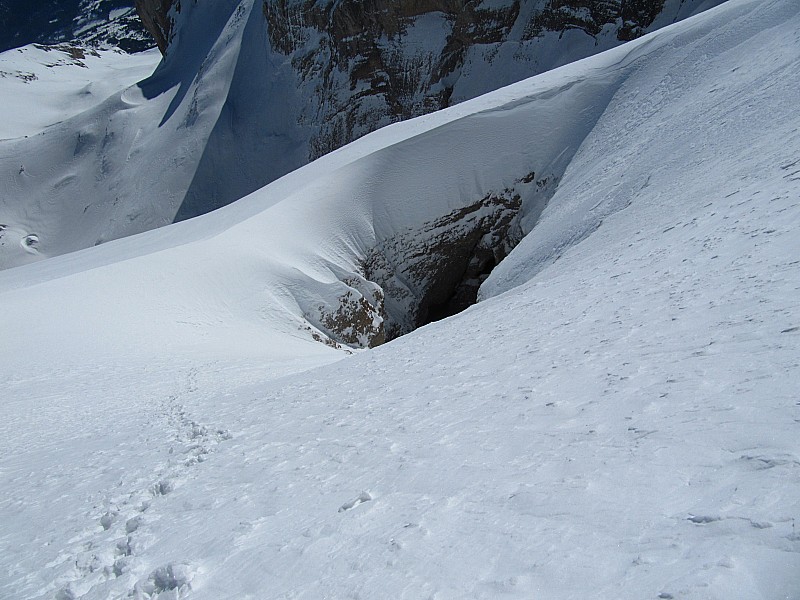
pixel 42 85
pixel 619 416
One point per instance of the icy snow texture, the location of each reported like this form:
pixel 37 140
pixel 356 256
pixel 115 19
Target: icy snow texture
pixel 617 419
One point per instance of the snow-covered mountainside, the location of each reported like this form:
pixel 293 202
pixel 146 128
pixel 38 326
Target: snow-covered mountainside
pixel 363 66
pixel 250 91
pixel 94 23
pixel 43 85
pixel 184 415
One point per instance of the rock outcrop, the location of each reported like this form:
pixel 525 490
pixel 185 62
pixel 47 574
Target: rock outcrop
pixel 87 22
pixel 369 63
pixel 435 271
pixel 425 273
pixel 155 15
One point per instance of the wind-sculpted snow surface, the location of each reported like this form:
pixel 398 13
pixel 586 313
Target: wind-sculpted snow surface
pixel 250 91
pixel 668 120
pixel 44 85
pixel 118 168
pixel 617 419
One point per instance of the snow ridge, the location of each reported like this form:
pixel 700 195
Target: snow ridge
pixel 617 418
pixel 100 175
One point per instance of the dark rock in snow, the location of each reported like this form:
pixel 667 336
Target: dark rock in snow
pixel 155 15
pixel 90 22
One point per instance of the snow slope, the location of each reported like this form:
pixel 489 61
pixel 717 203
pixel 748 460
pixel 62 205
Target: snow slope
pixel 102 174
pixel 617 419
pixel 228 111
pixel 61 82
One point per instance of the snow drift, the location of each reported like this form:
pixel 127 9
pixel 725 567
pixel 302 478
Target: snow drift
pixel 244 96
pixel 617 418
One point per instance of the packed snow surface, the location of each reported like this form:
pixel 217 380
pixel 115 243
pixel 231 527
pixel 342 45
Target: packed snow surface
pixel 617 418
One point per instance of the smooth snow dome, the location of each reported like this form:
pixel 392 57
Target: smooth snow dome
pixel 618 417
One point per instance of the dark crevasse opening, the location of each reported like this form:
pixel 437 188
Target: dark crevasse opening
pixel 435 271
pixel 431 272
pixel 465 293
pixel 445 269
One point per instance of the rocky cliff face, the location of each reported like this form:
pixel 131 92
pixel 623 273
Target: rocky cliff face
pixel 358 65
pixel 90 22
pixel 367 64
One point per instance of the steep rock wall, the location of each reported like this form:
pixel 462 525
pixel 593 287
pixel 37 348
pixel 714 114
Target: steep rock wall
pixel 156 17
pixel 349 67
pixel 367 64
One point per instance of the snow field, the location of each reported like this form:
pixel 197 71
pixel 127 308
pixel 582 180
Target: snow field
pixel 618 418
pixel 101 173
pixel 43 85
